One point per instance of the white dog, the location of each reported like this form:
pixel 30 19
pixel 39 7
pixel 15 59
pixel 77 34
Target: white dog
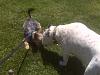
pixel 79 40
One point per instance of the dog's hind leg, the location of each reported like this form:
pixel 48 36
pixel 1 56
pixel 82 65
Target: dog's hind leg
pixel 94 67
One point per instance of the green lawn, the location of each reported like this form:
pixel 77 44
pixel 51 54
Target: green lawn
pixel 44 62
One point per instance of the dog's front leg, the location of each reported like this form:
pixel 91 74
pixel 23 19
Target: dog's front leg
pixel 65 59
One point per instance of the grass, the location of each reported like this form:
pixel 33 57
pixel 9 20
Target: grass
pixel 12 16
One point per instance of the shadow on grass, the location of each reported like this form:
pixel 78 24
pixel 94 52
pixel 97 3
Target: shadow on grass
pixel 74 66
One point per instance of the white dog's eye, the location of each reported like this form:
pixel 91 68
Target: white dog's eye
pixel 47 34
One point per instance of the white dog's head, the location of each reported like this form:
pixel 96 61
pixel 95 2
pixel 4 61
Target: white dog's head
pixel 48 35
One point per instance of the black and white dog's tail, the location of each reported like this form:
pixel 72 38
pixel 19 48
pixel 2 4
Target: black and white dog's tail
pixel 29 12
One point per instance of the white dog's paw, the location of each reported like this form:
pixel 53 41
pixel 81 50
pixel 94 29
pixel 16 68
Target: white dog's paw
pixel 62 63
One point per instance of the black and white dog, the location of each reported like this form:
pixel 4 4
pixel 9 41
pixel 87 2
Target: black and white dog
pixel 31 28
pixel 77 39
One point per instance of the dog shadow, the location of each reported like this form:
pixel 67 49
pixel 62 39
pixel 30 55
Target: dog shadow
pixel 74 66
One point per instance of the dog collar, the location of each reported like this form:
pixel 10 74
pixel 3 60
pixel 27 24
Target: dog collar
pixel 54 33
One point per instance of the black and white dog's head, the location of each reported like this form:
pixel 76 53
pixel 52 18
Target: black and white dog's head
pixel 32 32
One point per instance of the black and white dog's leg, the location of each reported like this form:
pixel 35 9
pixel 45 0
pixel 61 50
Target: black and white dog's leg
pixel 94 67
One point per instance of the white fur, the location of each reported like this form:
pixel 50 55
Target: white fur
pixel 79 40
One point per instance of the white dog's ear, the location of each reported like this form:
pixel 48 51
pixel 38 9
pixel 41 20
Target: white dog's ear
pixel 49 25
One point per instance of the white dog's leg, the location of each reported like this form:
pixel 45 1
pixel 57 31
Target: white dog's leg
pixel 93 68
pixel 65 59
